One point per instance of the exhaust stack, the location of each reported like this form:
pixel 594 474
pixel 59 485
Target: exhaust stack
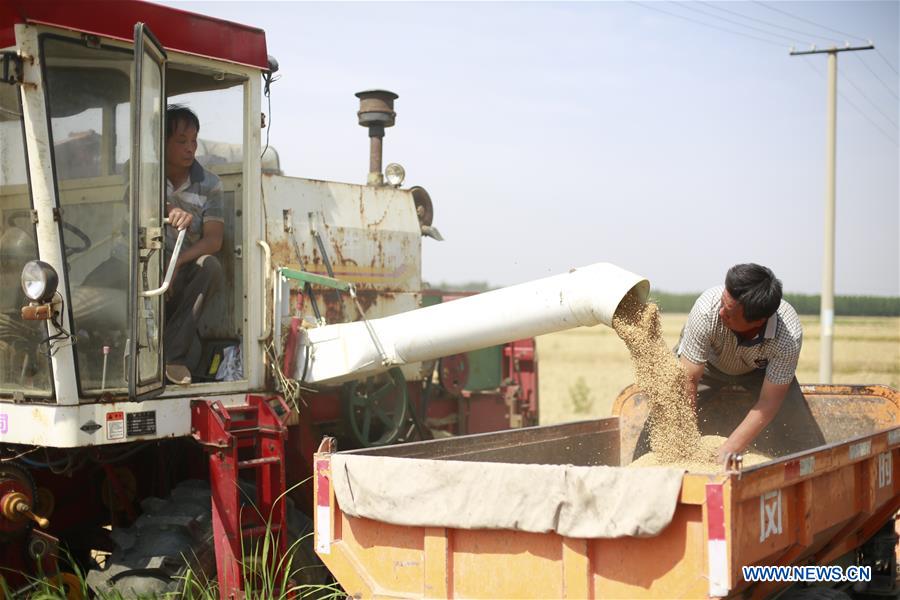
pixel 376 111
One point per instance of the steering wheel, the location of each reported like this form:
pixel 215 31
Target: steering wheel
pixel 375 410
pixel 69 250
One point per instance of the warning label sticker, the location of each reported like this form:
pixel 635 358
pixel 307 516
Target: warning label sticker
pixel 115 425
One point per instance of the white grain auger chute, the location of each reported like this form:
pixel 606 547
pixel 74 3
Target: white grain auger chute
pixel 586 296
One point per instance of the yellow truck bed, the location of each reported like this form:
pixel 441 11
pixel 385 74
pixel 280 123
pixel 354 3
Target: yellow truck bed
pixel 808 508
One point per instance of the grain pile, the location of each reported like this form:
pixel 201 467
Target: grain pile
pixel 706 460
pixel 674 437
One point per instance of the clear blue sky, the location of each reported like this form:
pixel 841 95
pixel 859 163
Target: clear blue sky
pixel 553 135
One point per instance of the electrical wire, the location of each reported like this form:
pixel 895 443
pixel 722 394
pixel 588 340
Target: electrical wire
pixel 770 24
pixel 267 92
pixel 886 61
pixel 874 74
pixel 726 30
pixel 739 24
pixel 856 108
pixel 20 455
pixel 793 16
pixel 867 99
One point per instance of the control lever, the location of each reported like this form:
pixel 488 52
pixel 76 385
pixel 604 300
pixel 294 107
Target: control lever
pixel 171 270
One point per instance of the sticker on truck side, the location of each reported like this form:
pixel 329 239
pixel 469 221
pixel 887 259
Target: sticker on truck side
pixel 769 514
pixel 885 469
pixel 894 437
pixel 4 423
pixel 323 506
pixel 115 425
pixel 799 468
pixel 860 450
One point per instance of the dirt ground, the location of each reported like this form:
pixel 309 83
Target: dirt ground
pixel 866 350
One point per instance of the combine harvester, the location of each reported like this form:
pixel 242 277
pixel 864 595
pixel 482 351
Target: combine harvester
pixel 323 289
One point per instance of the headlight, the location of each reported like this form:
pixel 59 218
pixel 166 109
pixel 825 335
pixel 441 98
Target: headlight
pixel 394 174
pixel 39 281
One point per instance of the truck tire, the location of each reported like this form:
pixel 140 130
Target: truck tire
pixel 175 536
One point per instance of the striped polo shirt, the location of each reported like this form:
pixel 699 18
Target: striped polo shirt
pixel 776 348
pixel 200 195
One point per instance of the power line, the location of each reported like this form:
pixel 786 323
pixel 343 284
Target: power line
pixel 726 30
pixel 886 86
pixel 739 24
pixel 848 101
pixel 887 62
pixel 793 16
pixel 863 94
pixel 770 24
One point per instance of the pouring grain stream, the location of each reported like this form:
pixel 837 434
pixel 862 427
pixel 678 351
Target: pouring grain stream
pixel 674 437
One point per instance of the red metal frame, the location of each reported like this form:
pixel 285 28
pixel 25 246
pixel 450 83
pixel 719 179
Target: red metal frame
pixel 520 370
pixel 176 29
pixel 243 438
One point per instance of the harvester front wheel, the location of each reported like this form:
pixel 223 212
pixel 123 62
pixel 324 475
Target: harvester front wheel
pixel 171 545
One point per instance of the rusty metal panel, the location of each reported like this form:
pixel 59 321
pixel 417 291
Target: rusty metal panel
pixel 371 238
pixel 371 235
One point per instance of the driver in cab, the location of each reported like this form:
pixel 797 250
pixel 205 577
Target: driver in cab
pixel 194 203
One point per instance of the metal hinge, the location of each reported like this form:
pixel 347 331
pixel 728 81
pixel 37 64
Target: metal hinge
pixel 11 68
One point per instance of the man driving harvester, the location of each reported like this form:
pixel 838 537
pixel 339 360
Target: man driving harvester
pixel 193 201
pixel 744 334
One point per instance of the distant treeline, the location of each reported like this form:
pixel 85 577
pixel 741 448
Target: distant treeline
pixel 805 304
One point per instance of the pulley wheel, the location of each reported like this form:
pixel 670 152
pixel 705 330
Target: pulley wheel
pixel 375 409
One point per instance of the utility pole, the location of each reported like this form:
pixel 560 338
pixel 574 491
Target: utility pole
pixel 826 318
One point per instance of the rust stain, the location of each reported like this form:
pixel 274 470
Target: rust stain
pixel 282 253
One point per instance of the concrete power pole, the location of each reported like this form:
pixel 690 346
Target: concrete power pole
pixel 826 318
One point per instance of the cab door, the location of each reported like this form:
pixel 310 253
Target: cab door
pixel 147 202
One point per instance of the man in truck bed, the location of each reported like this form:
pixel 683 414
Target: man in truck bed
pixel 743 333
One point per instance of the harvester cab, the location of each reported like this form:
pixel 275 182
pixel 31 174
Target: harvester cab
pixel 83 216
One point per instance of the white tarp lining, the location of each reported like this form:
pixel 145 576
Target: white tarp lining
pixel 579 502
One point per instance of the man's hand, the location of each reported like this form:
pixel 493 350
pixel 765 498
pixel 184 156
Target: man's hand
pixel 770 398
pixel 727 450
pixel 180 219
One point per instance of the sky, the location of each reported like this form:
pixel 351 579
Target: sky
pixel 673 139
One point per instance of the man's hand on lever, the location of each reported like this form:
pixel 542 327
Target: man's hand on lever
pixel 180 219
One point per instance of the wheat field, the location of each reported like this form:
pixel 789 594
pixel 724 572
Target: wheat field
pixel 590 366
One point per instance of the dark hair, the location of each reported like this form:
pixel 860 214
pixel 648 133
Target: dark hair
pixel 177 114
pixel 756 288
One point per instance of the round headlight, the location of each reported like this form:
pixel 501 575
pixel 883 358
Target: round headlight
pixel 39 281
pixel 394 174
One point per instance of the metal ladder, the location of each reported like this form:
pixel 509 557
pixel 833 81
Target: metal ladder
pixel 244 439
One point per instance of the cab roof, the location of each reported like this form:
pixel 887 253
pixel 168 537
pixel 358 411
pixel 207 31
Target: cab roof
pixel 176 29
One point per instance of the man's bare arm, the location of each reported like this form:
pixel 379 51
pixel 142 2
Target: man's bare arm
pixel 694 373
pixel 770 399
pixel 210 243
